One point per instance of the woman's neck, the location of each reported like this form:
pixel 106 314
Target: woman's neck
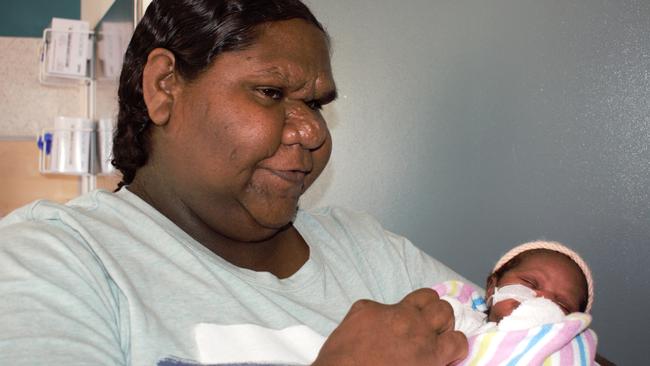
pixel 281 252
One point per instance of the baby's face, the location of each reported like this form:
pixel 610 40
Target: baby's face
pixel 551 274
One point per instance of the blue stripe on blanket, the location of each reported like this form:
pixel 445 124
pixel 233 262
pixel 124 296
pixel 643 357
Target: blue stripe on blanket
pixel 581 347
pixel 545 329
pixel 477 303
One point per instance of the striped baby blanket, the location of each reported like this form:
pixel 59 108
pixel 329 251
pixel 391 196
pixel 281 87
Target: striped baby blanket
pixel 567 343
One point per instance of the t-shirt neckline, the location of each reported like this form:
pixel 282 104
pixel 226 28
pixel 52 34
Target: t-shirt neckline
pixel 305 275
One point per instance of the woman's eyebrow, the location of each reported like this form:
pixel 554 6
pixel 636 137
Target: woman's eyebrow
pixel 272 71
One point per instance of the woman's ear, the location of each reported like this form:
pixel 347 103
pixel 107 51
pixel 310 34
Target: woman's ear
pixel 159 83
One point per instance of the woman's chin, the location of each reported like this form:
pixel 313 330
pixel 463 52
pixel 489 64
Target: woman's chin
pixel 273 213
pixel 260 232
pixel 266 223
pixel 277 221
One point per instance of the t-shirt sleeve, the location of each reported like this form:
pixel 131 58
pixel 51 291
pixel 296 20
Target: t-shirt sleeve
pixel 392 265
pixel 423 270
pixel 56 305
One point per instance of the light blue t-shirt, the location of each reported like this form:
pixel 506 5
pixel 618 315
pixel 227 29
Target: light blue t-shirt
pixel 108 280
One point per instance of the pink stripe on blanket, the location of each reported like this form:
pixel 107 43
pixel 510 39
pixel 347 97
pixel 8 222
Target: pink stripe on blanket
pixel 560 335
pixel 511 339
pixel 465 293
pixel 592 342
pixel 441 289
pixel 566 355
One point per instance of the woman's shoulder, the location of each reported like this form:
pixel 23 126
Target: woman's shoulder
pixel 89 215
pixel 46 236
pixel 48 211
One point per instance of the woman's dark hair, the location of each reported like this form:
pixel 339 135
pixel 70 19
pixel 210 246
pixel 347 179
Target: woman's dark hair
pixel 195 31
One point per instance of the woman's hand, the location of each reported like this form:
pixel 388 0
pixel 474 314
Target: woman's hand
pixel 419 330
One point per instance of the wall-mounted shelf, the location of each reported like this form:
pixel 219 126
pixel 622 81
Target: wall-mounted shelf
pixel 76 146
pixel 72 55
pixel 67 57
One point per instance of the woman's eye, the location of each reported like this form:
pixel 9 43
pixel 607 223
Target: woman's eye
pixel 273 93
pixel 314 105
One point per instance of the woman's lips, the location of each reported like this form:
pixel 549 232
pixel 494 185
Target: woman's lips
pixel 292 176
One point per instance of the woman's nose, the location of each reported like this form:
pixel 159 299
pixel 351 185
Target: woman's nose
pixel 304 126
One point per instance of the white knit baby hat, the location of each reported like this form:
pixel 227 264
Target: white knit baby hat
pixel 557 247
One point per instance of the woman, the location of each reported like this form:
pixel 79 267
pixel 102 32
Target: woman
pixel 202 255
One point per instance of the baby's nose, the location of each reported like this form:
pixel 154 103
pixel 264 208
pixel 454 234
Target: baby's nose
pixel 512 305
pixel 543 293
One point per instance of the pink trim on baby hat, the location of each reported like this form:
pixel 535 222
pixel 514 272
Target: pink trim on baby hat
pixel 557 247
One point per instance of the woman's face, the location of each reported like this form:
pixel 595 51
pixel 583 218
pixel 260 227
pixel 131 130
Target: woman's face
pixel 551 274
pixel 247 138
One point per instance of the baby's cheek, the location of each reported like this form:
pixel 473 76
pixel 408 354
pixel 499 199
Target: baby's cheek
pixel 502 309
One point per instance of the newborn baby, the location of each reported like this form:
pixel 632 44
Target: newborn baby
pixel 538 296
pixel 533 284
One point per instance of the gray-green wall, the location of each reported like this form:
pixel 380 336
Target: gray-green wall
pixel 28 18
pixel 473 125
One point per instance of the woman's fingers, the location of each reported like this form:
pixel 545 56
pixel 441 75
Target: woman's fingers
pixel 437 313
pixel 452 346
pixel 416 331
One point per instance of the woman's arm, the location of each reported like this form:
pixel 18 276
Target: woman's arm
pixel 56 304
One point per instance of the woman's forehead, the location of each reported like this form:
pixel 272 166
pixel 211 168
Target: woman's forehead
pixel 295 43
pixel 294 53
pixel 282 29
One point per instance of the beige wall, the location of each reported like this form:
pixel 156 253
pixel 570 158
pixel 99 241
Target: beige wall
pixel 21 182
pixel 93 10
pixel 26 106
